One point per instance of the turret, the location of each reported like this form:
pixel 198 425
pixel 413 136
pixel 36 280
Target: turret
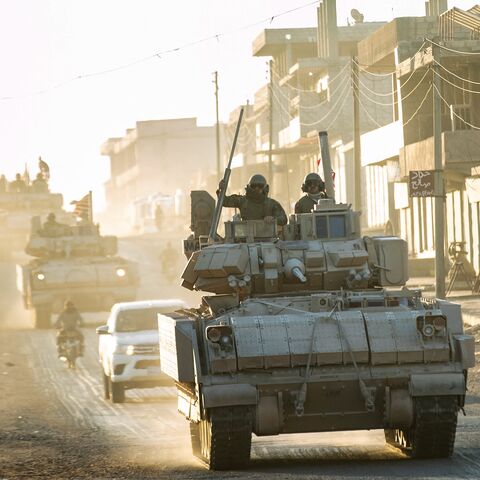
pixel 69 241
pixel 316 251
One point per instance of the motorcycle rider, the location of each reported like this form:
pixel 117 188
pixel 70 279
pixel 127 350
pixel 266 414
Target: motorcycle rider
pixel 68 323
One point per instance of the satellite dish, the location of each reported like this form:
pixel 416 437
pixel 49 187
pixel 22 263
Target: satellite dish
pixel 356 15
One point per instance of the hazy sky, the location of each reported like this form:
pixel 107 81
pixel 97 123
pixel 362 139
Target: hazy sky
pixel 46 42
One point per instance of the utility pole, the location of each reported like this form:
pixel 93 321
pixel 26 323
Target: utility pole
pixel 439 186
pixel 357 159
pixel 270 125
pixel 217 126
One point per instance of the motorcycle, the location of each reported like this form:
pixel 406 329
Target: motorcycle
pixel 70 349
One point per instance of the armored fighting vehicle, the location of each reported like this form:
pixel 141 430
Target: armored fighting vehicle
pixel 75 263
pixel 16 212
pixel 312 330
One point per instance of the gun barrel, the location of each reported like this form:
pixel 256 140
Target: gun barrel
pixel 226 178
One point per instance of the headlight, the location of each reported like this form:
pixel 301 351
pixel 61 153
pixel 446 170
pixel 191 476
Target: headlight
pixel 40 276
pixel 220 334
pixel 428 330
pixel 130 350
pixel 121 272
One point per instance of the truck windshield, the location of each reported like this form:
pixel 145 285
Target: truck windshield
pixel 138 320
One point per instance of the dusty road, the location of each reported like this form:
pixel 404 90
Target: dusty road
pixel 54 423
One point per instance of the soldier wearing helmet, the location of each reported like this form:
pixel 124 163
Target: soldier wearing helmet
pixel 255 204
pixel 314 188
pixel 51 228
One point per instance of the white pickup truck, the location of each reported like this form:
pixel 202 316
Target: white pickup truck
pixel 128 347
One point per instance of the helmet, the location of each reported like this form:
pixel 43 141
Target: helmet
pixel 257 179
pixel 312 178
pixel 51 217
pixel 69 304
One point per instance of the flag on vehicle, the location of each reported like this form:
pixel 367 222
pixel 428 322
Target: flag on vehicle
pixel 83 207
pixel 44 169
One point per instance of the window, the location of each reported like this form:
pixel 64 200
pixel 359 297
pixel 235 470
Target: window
pixel 337 226
pixel 331 226
pixel 321 226
pixel 139 320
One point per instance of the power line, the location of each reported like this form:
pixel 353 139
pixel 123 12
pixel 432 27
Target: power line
pixel 455 75
pixel 362 106
pixel 330 80
pixel 334 106
pixel 419 107
pixel 395 102
pixel 315 105
pixel 455 85
pixel 156 55
pixel 475 127
pixel 443 47
pixel 360 67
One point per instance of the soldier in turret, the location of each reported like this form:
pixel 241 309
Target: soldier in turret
pixel 18 185
pixel 39 185
pixel 51 228
pixel 314 188
pixel 255 204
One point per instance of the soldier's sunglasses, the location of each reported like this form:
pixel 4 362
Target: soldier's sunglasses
pixel 311 183
pixel 257 185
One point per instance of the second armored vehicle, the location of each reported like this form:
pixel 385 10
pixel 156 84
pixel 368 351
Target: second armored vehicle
pixel 16 212
pixel 76 264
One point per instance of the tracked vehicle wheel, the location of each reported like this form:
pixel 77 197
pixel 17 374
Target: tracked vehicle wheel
pixel 433 432
pixel 43 315
pixel 226 438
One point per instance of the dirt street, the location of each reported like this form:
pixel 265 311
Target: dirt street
pixel 54 423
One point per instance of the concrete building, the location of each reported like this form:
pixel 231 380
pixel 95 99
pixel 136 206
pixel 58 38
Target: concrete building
pixel 310 90
pixel 406 144
pixel 157 157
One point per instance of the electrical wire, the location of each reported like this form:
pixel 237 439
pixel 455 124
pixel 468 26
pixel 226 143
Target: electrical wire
pixel 395 102
pixel 455 85
pixel 419 107
pixel 330 80
pixel 156 55
pixel 443 47
pixel 362 106
pixel 360 67
pixel 339 110
pixel 454 74
pixel 290 116
pixel 315 105
pixel 333 108
pixel 475 127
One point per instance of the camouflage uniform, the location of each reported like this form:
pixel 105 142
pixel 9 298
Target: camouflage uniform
pixel 17 186
pixel 257 208
pixel 39 185
pixel 306 203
